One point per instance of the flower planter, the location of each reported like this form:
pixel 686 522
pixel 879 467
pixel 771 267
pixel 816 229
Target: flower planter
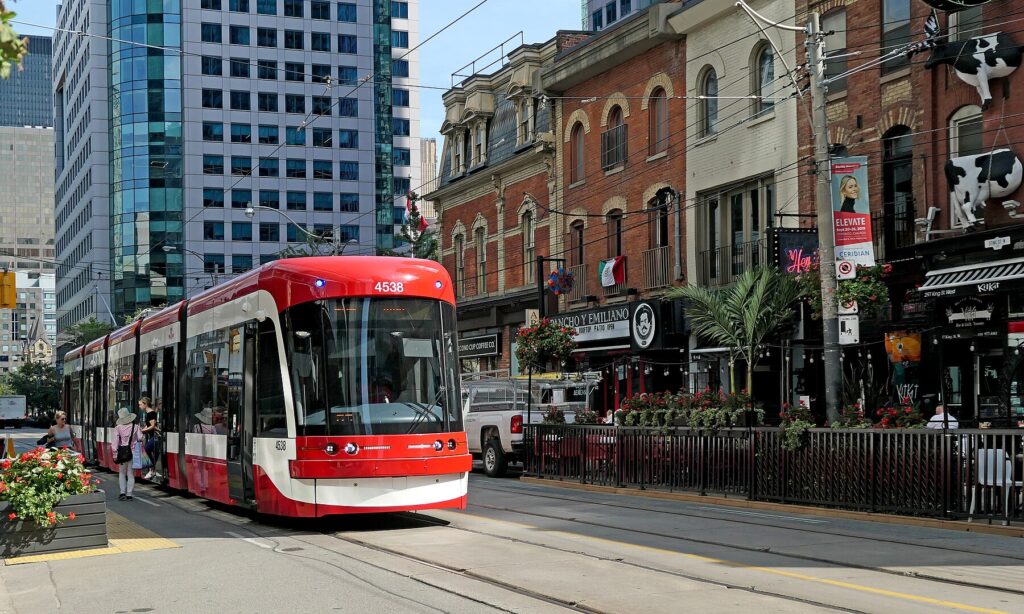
pixel 87 530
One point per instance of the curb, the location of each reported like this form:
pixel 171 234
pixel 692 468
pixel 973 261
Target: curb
pixel 931 523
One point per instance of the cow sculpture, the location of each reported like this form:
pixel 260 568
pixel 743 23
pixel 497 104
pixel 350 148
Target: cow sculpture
pixel 978 60
pixel 974 179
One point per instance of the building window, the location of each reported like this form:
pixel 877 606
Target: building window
pixel 898 188
pixel 321 137
pixel 320 9
pixel 293 71
pixel 266 37
pixel 400 126
pixel 266 7
pixel 576 154
pixel 576 244
pixel 348 171
pixel 597 20
pixel 267 102
pixel 270 167
pixel 965 132
pixel 625 6
pixel 295 169
pixel 480 144
pixel 296 201
pixel 213 197
pixel 480 243
pixel 321 73
pixel 321 105
pixel 241 199
pixel 270 198
pixel 294 135
pixel 835 22
pixel 657 109
pixel 460 265
pixel 610 13
pixel 529 247
pixel 323 169
pixel 213 231
pixel 524 131
pixel 241 101
pixel 400 97
pixel 400 68
pixel 347 44
pixel 614 221
pixel 213 131
pixel 966 23
pixel 399 10
pixel 213 5
pixel 707 106
pixel 241 231
pixel 270 231
pixel 213 99
pixel 348 202
pixel 293 8
pixel 347 75
pixel 613 140
pixel 269 135
pixel 347 12
pixel 348 139
pixel 210 65
pixel 658 229
pixel 399 39
pixel 240 68
pixel 293 39
pixel 895 32
pixel 456 149
pixel 213 263
pixel 401 156
pixel 213 165
pixel 240 263
pixel 294 103
pixel 731 230
pixel 320 41
pixel 238 6
pixel 266 69
pixel 323 201
pixel 241 165
pixel 211 33
pixel 295 233
pixel 763 72
pixel 239 35
pixel 241 133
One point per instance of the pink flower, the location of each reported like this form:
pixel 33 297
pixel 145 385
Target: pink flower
pixel 12 516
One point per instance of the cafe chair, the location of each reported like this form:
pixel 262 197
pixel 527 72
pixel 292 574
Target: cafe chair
pixel 994 470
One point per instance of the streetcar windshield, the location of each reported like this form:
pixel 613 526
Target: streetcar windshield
pixel 373 366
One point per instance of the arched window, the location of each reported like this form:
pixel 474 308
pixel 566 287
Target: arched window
pixel 898 188
pixel 460 265
pixel 965 131
pixel 658 218
pixel 708 105
pixel 576 243
pixel 657 121
pixel 613 140
pixel 528 247
pixel 576 153
pixel 763 73
pixel 614 221
pixel 479 239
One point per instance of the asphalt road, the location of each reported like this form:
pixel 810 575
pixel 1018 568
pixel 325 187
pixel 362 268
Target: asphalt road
pixel 526 548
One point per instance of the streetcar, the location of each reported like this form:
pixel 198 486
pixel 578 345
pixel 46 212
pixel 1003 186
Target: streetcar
pixel 306 387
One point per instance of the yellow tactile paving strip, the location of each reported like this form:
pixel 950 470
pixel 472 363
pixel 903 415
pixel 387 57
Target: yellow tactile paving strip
pixel 123 536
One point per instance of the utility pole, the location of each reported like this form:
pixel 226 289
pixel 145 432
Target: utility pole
pixel 815 42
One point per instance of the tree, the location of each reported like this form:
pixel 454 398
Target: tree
pixel 743 316
pixel 87 330
pixel 416 233
pixel 38 382
pixel 12 48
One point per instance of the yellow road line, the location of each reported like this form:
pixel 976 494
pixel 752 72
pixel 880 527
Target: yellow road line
pixel 123 536
pixel 706 559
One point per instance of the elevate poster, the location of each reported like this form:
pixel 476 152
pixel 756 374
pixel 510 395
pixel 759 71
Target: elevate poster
pixel 851 210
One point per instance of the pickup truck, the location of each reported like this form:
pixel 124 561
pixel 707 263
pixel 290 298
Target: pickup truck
pixel 495 410
pixel 12 411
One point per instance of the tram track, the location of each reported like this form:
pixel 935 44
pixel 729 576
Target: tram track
pixel 752 549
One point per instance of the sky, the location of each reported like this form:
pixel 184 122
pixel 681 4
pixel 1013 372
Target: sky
pixel 466 41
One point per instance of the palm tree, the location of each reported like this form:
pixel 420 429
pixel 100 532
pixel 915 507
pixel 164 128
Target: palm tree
pixel 743 316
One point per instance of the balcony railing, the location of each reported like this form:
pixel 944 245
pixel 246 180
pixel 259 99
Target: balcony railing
pixel 656 267
pixel 893 231
pixel 613 147
pixel 720 266
pixel 578 293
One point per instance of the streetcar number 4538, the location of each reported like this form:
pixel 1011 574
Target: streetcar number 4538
pixel 389 286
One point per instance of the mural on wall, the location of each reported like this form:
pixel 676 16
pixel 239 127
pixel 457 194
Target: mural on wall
pixel 972 180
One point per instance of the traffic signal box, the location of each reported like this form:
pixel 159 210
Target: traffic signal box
pixel 8 291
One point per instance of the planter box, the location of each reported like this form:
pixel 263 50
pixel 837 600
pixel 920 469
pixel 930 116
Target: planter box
pixel 87 530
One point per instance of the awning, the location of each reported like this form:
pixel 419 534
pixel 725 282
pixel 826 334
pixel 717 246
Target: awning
pixel 974 279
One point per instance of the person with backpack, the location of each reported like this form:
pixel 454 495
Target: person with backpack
pixel 127 451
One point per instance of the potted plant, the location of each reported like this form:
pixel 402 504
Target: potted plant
pixel 48 503
pixel 796 423
pixel 538 346
pixel 867 289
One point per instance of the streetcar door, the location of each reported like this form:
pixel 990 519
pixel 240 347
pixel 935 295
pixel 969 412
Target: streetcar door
pixel 240 402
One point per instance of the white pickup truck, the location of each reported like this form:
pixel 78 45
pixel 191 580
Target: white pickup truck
pixel 12 411
pixel 495 410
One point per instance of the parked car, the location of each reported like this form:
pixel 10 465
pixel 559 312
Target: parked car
pixel 495 410
pixel 13 411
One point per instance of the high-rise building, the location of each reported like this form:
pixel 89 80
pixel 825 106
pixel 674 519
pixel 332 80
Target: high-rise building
pixel 26 98
pixel 216 113
pixel 428 175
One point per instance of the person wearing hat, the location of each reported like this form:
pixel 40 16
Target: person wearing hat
pixel 126 433
pixel 205 422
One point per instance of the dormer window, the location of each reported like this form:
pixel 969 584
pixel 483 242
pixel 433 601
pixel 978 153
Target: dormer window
pixel 524 131
pixel 480 144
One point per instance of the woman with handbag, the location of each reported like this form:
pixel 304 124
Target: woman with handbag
pixel 151 432
pixel 127 450
pixel 59 435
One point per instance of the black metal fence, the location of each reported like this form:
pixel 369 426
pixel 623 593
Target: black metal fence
pixel 953 474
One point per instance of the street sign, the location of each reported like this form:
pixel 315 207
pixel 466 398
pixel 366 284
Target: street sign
pixel 848 309
pixel 849 330
pixel 845 269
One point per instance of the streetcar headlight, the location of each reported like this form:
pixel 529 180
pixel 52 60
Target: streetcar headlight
pixel 451 444
pixel 332 448
pixel 351 448
pixel 438 445
pixel 438 284
pixel 319 283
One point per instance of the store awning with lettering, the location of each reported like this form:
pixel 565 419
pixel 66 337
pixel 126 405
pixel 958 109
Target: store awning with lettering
pixel 974 279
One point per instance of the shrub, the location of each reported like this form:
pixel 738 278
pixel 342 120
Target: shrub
pixel 585 416
pixel 899 416
pixel 37 480
pixel 852 417
pixel 553 416
pixel 795 423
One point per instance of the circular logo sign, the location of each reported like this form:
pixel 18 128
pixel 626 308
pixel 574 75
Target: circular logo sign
pixel 643 325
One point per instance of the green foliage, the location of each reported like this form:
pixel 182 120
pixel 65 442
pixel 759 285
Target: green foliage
pixel 38 382
pixel 13 49
pixel 707 410
pixel 553 416
pixel 851 416
pixel 586 416
pixel 424 242
pixel 547 342
pixel 796 423
pixel 867 289
pixel 37 480
pixel 900 416
pixel 87 330
pixel 743 316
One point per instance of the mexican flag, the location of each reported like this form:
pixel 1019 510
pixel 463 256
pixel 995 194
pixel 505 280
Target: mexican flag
pixel 612 271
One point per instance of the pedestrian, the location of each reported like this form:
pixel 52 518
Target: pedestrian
pixel 206 419
pixel 59 435
pixel 942 419
pixel 151 433
pixel 126 451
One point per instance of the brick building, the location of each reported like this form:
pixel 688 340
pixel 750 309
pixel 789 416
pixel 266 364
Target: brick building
pixel 495 182
pixel 968 316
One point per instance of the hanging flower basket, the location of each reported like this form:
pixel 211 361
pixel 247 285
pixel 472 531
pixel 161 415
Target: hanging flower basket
pixel 560 281
pixel 546 343
pixel 867 289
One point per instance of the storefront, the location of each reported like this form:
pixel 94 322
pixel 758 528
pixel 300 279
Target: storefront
pixel 480 353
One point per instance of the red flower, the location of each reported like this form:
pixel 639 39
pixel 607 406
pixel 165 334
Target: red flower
pixel 60 476
pixel 906 410
pixel 887 268
pixel 71 516
pixel 12 516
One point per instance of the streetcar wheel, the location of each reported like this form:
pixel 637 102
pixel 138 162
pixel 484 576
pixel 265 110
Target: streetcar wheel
pixel 495 462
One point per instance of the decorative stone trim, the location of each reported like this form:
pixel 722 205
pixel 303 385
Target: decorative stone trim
pixel 480 222
pixel 615 202
pixel 458 230
pixel 578 214
pixel 579 115
pixel 616 99
pixel 652 191
pixel 658 80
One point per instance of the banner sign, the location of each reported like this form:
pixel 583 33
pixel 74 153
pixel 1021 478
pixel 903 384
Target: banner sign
pixel 851 211
pixel 596 324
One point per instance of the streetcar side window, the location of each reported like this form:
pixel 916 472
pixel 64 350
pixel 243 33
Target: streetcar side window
pixel 119 388
pixel 206 384
pixel 270 420
pixel 164 400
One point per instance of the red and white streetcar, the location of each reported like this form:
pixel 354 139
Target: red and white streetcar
pixel 306 387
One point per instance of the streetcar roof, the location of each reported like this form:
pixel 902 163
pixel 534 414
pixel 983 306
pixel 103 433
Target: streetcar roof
pixel 123 334
pixel 96 345
pixel 167 315
pixel 74 354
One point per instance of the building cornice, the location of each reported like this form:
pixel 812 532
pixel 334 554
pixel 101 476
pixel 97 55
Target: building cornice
pixel 484 179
